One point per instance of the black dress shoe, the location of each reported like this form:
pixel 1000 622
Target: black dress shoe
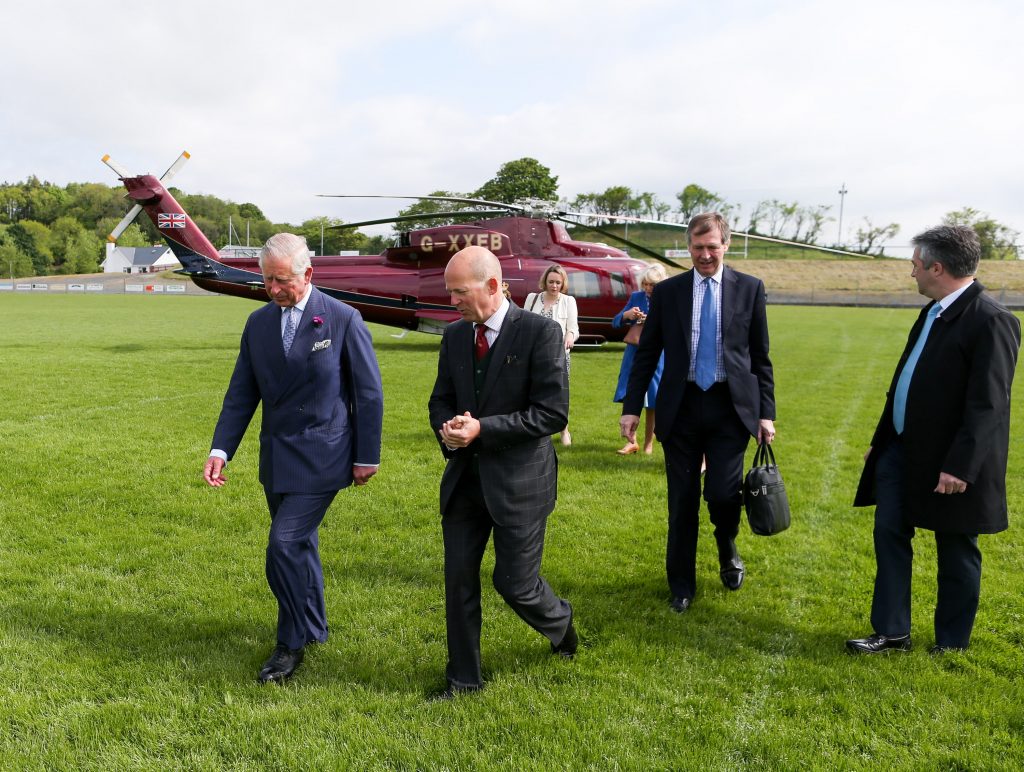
pixel 732 568
pixel 732 573
pixel 569 644
pixel 281 664
pixel 876 643
pixel 679 605
pixel 450 692
pixel 937 650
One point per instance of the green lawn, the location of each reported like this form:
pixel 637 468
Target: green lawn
pixel 134 612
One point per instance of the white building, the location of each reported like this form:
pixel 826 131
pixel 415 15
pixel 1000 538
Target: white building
pixel 138 259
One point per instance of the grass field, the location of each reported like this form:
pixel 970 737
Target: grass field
pixel 134 612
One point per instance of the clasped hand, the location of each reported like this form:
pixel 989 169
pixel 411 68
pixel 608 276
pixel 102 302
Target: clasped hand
pixel 459 431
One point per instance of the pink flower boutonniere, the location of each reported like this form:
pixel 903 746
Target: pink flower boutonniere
pixel 318 322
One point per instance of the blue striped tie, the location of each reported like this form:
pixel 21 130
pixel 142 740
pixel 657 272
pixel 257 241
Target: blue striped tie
pixel 899 400
pixel 707 342
pixel 289 330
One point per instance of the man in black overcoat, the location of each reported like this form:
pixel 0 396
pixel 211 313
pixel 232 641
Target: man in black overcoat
pixel 938 456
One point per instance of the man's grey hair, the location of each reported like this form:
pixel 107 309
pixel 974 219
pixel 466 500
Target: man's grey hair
pixel 955 246
pixel 705 222
pixel 287 246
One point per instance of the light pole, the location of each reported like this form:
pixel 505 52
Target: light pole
pixel 842 197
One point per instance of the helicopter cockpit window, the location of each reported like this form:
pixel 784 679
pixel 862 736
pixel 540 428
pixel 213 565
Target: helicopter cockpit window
pixel 619 288
pixel 584 284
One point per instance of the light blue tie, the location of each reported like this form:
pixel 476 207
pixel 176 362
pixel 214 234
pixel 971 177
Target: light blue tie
pixel 289 330
pixel 707 344
pixel 899 400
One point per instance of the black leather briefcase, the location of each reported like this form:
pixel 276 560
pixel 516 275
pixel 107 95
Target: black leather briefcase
pixel 764 494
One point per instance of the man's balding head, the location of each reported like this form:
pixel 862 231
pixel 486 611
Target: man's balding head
pixel 473 277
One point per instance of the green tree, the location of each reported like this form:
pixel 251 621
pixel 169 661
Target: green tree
pixel 815 217
pixel 997 240
pixel 33 239
pixel 335 240
pixel 91 202
pixel 871 235
pixel 520 179
pixel 250 212
pixel 693 199
pixel 426 206
pixel 14 262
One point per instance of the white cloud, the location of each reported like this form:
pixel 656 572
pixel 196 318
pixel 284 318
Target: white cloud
pixel 914 105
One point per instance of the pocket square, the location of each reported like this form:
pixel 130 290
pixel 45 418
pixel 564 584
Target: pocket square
pixel 320 345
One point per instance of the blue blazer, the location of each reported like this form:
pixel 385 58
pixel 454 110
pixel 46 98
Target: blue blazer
pixel 323 404
pixel 638 299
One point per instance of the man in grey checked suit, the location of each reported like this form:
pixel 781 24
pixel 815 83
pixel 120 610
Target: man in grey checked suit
pixel 501 392
pixel 309 359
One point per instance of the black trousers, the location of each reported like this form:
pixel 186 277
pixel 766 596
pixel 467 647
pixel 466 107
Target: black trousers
pixel 517 557
pixel 959 562
pixel 707 427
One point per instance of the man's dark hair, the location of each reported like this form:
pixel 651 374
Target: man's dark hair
pixel 955 246
pixel 704 223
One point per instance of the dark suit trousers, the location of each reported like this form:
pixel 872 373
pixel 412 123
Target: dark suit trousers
pixel 517 557
pixel 294 572
pixel 959 560
pixel 707 426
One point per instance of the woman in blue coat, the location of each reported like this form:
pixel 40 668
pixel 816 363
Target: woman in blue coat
pixel 635 312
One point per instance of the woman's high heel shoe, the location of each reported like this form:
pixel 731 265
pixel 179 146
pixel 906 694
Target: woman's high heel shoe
pixel 628 449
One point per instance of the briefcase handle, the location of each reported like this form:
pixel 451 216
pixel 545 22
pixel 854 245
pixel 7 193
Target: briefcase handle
pixel 763 453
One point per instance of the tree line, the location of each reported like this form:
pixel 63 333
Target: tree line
pixel 527 178
pixel 48 229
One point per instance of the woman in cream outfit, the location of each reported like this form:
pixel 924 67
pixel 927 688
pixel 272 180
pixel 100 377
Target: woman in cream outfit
pixel 553 303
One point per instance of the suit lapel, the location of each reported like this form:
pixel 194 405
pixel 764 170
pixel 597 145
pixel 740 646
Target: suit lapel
pixel 727 299
pixel 948 317
pixel 686 309
pixel 502 344
pixel 461 363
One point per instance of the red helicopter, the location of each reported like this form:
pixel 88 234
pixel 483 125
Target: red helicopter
pixel 404 286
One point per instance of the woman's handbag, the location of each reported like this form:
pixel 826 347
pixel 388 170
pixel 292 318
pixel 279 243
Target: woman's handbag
pixel 633 334
pixel 764 494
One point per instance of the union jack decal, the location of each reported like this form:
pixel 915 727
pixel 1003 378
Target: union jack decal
pixel 170 221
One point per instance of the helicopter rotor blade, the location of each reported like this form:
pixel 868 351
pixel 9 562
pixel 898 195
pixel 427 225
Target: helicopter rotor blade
pixel 452 199
pixel 464 214
pixel 122 226
pixel 754 236
pixel 631 244
pixel 122 172
pixel 175 167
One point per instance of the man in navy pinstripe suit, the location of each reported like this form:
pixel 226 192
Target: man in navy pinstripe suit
pixel 309 359
pixel 501 392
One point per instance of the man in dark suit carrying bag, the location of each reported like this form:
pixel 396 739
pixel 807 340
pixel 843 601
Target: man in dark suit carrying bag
pixel 501 392
pixel 938 456
pixel 309 359
pixel 717 390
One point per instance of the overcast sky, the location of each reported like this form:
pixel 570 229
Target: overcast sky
pixel 916 106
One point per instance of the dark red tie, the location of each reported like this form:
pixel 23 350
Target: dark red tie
pixel 480 347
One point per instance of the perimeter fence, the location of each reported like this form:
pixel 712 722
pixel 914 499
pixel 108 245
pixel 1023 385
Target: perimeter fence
pixel 811 296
